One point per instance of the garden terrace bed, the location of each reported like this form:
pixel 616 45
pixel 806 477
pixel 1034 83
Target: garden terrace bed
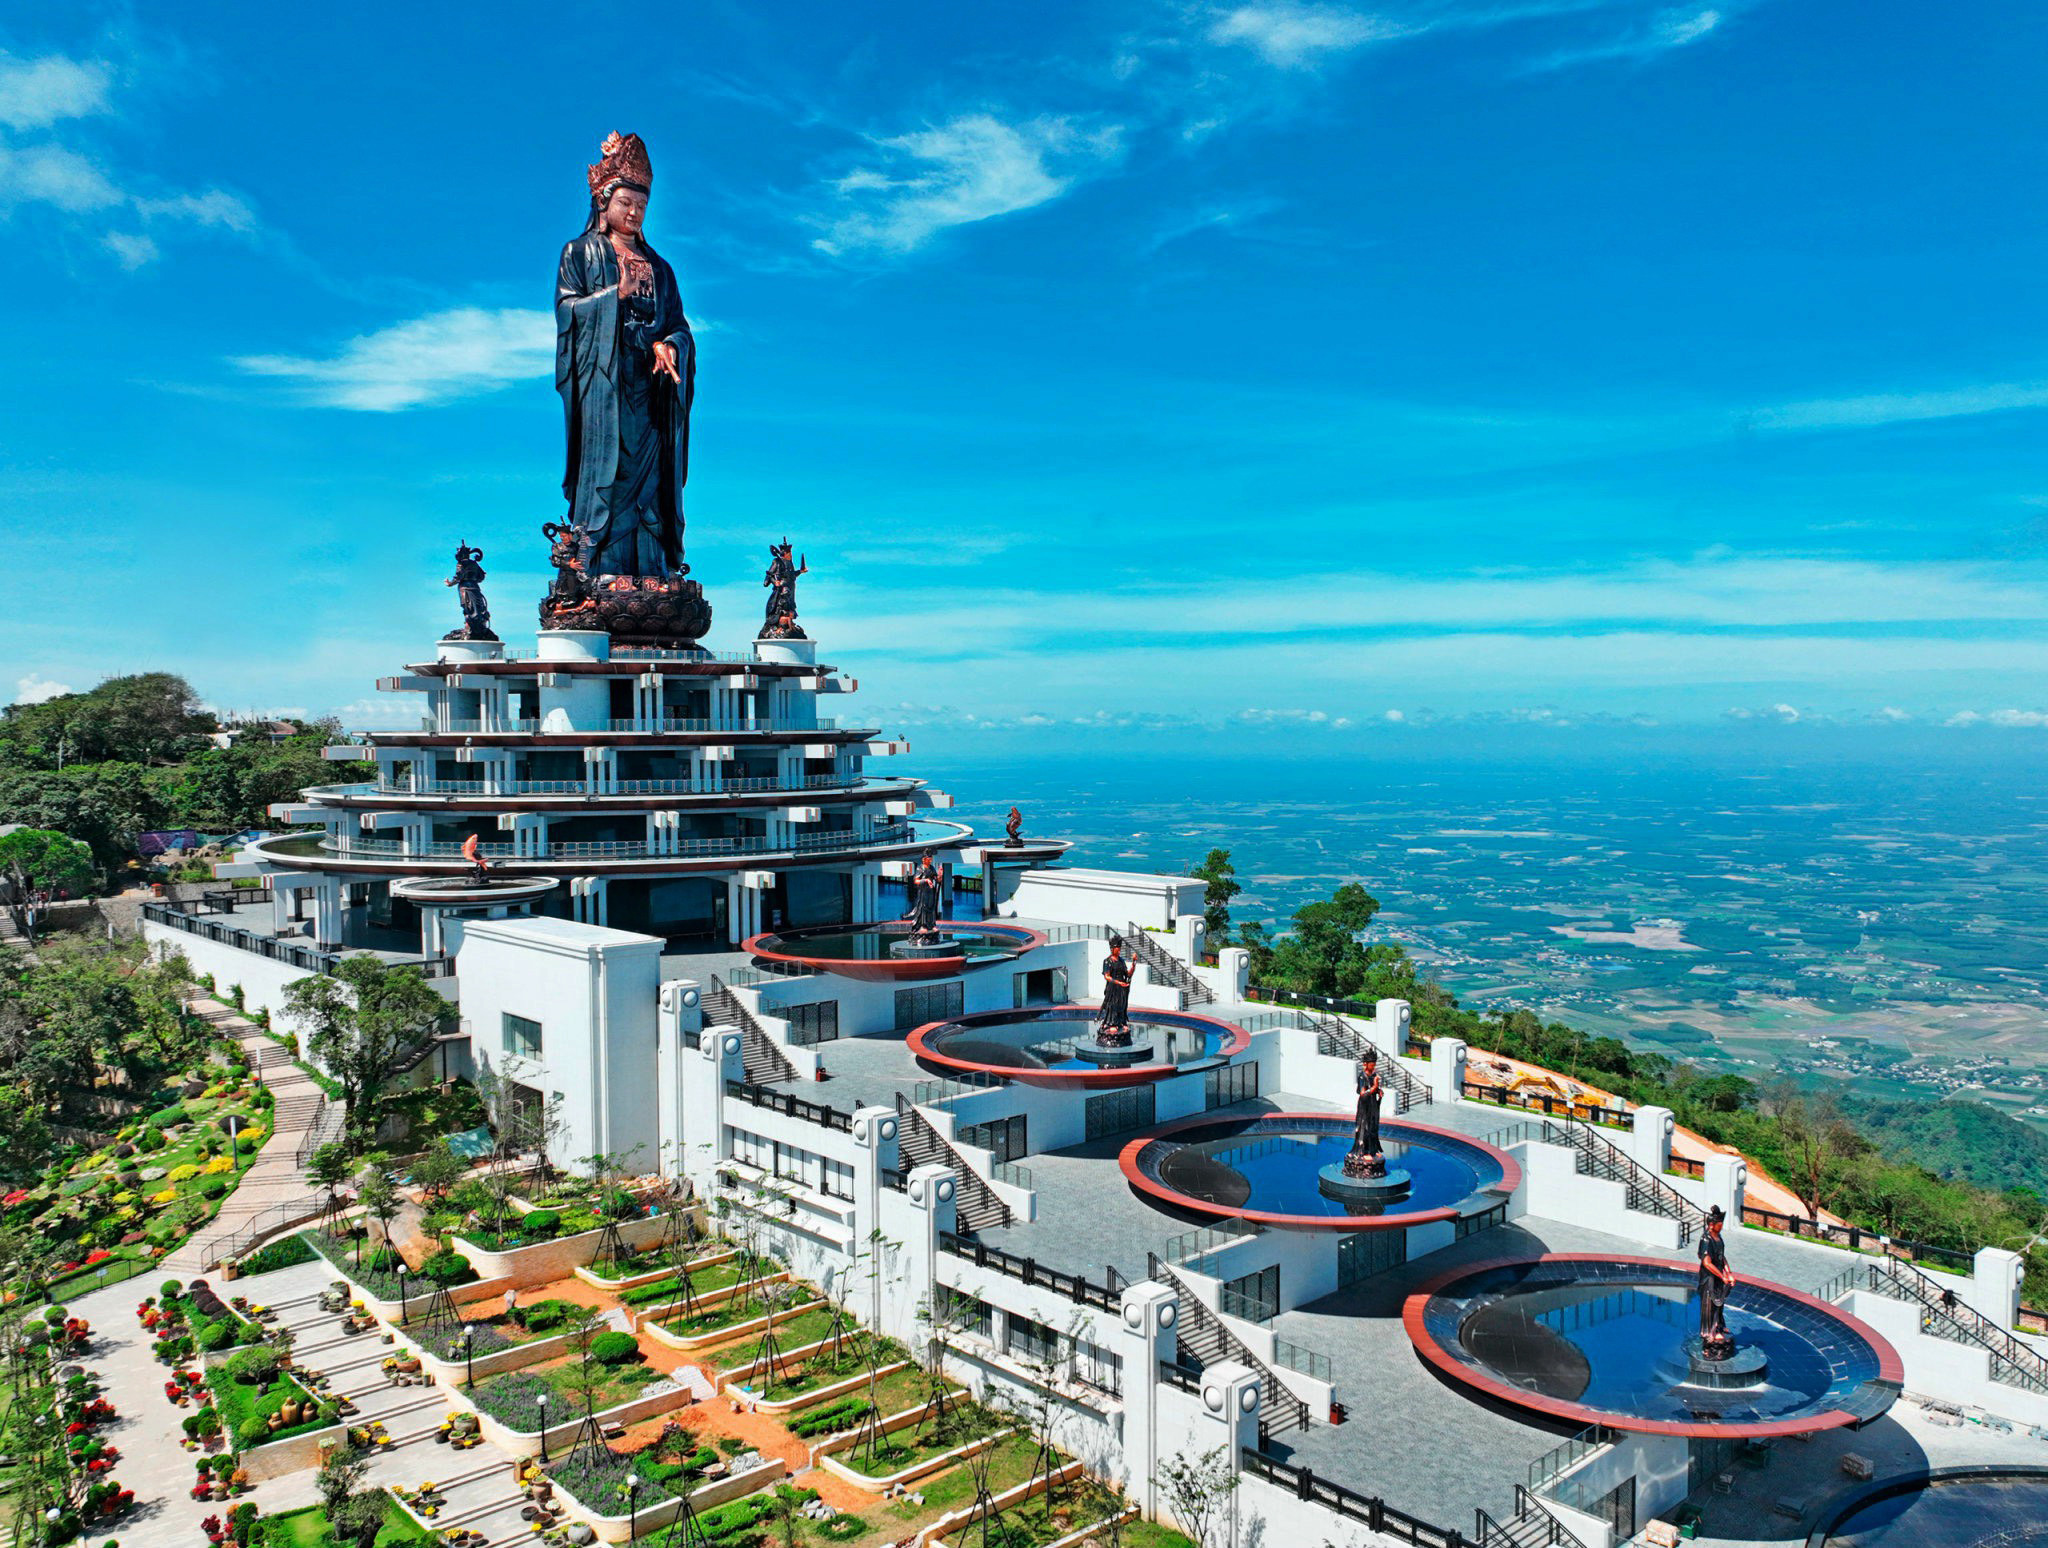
pixel 285 1252
pixel 797 1327
pixel 723 1324
pixel 374 1273
pixel 307 1527
pixel 811 1367
pixel 709 1276
pixel 243 1406
pixel 509 1399
pixel 496 1331
pixel 910 1447
pixel 650 1265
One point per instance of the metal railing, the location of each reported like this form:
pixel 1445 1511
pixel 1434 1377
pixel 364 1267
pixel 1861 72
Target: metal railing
pixel 638 725
pixel 1075 1287
pixel 834 839
pixel 1335 1005
pixel 1575 1108
pixel 1203 1333
pixel 307 958
pixel 938 1092
pixel 1375 1513
pixel 752 785
pixel 790 1106
pixel 1532 1526
pixel 1168 969
pixel 1337 1039
pixel 291 1212
pixel 1598 1156
pixel 1192 1247
pixel 1857 1239
pixel 1945 1315
pixel 1299 1357
pixel 1568 1454
pixel 1055 934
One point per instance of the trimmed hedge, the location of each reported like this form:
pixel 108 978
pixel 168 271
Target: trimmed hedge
pixel 614 1348
pixel 842 1414
pixel 283 1253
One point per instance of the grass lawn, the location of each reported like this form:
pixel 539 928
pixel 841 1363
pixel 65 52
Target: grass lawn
pixel 919 1442
pixel 823 1369
pixel 240 1402
pixel 717 1276
pixel 307 1528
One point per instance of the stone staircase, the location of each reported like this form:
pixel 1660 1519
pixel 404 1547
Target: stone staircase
pixel 1531 1526
pixel 1204 1339
pixel 977 1206
pixel 272 1186
pixel 764 1062
pixel 1167 969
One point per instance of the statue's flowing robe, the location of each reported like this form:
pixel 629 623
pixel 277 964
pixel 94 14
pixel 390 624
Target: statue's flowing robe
pixel 1365 1134
pixel 924 903
pixel 1116 994
pixel 628 430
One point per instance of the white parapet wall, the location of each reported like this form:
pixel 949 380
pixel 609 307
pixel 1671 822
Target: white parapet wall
pixel 1077 895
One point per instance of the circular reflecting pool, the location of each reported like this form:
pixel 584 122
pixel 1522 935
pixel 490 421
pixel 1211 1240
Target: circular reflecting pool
pixel 1269 1169
pixel 1055 1045
pixel 1614 1341
pixel 884 951
pixel 1957 1507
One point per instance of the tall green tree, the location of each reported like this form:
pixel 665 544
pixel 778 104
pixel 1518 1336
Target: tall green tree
pixel 358 1022
pixel 1220 885
pixel 35 859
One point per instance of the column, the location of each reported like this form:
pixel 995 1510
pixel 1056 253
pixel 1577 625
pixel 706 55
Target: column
pixel 706 1069
pixel 1726 1182
pixel 1229 1418
pixel 1650 1143
pixel 930 1190
pixel 1447 1069
pixel 1390 1022
pixel 1150 1313
pixel 876 1150
pixel 679 1018
pixel 1994 1289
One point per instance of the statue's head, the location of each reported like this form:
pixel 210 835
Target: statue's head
pixel 620 181
pixel 1715 1218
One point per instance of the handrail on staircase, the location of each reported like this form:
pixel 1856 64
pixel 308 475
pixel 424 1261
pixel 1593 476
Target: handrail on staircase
pixel 1193 1312
pixel 1938 1301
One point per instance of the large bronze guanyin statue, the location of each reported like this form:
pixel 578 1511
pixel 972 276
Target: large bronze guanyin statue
pixel 626 367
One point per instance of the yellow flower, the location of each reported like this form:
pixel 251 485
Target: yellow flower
pixel 123 1198
pixel 254 1133
pixel 126 1212
pixel 221 1164
pixel 182 1173
pixel 165 1197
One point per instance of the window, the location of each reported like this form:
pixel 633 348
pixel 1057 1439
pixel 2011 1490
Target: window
pixel 927 1002
pixel 810 1024
pixel 1041 986
pixel 1098 1368
pixel 753 1149
pixel 522 1036
pixel 1231 1083
pixel 1255 1297
pixel 1005 1136
pixel 962 1313
pixel 837 1181
pixel 1114 1112
pixel 1033 1341
pixel 1365 1253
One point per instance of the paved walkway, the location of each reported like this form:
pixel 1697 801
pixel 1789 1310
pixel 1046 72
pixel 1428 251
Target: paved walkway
pixel 273 1178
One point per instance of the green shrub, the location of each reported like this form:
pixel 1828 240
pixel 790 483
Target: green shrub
pixel 540 1224
pixel 542 1315
pixel 255 1365
pixel 447 1268
pixel 282 1253
pixel 166 1117
pixel 619 1204
pixel 614 1348
pixel 151 1140
pixel 214 1188
pixel 251 1432
pixel 469 1197
pixel 842 1529
pixel 217 1335
pixel 170 1289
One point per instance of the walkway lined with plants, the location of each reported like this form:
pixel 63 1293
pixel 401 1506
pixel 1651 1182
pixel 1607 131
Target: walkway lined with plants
pixel 274 1179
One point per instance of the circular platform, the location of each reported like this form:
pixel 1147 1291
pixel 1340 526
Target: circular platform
pixel 883 952
pixel 1956 1507
pixel 1614 1341
pixel 463 892
pixel 1363 1194
pixel 1042 1045
pixel 1269 1170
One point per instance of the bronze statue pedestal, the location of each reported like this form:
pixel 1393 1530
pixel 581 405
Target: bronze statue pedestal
pixel 1117 1054
pixel 668 611
pixel 1725 1364
pixel 1361 1194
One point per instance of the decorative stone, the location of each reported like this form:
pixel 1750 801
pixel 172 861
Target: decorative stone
pixel 581 1534
pixel 155 1173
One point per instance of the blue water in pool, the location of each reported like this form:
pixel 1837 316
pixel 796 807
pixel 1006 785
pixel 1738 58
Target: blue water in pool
pixel 1280 1172
pixel 1043 1039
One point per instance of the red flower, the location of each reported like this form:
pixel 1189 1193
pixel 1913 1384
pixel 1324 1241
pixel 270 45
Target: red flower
pixel 16 1197
pixel 96 1254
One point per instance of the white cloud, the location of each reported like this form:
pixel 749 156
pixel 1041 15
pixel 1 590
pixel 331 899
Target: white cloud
pixel 433 359
pixel 1396 716
pixel 2017 718
pixel 36 93
pixel 37 689
pixel 971 168
pixel 385 712
pixel 1893 714
pixel 1322 719
pixel 1665 31
pixel 1296 37
pixel 1785 712
pixel 1893 408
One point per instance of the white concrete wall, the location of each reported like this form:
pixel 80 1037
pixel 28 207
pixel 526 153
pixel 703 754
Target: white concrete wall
pixel 594 992
pixel 263 981
pixel 1115 898
pixel 1935 1367
pixel 1553 1188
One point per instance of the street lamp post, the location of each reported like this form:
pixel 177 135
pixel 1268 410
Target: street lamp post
pixel 469 1353
pixel 235 1141
pixel 541 1401
pixel 632 1506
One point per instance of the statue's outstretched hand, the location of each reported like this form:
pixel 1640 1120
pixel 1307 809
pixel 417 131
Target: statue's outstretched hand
pixel 665 362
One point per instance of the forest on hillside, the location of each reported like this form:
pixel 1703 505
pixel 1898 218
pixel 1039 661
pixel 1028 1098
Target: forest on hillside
pixel 134 755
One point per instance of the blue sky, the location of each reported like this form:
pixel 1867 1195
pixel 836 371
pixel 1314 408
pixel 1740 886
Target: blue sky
pixel 1284 368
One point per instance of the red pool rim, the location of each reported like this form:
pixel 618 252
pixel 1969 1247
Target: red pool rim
pixel 890 969
pixel 1237 1040
pixel 1890 1368
pixel 1127 1162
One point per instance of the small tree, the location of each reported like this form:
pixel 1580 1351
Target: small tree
pixel 380 1202
pixel 585 1379
pixel 1220 876
pixel 358 1021
pixel 438 1170
pixel 340 1476
pixel 944 1313
pixel 36 860
pixel 1199 1492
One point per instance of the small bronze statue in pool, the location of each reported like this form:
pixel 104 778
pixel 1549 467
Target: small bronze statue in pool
pixel 924 899
pixel 1013 827
pixel 1113 1021
pixel 1716 1278
pixel 1365 1159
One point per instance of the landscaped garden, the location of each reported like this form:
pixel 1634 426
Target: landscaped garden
pixel 260 1401
pixel 609 1370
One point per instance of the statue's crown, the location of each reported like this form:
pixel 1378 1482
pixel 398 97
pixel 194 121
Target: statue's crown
pixel 621 159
